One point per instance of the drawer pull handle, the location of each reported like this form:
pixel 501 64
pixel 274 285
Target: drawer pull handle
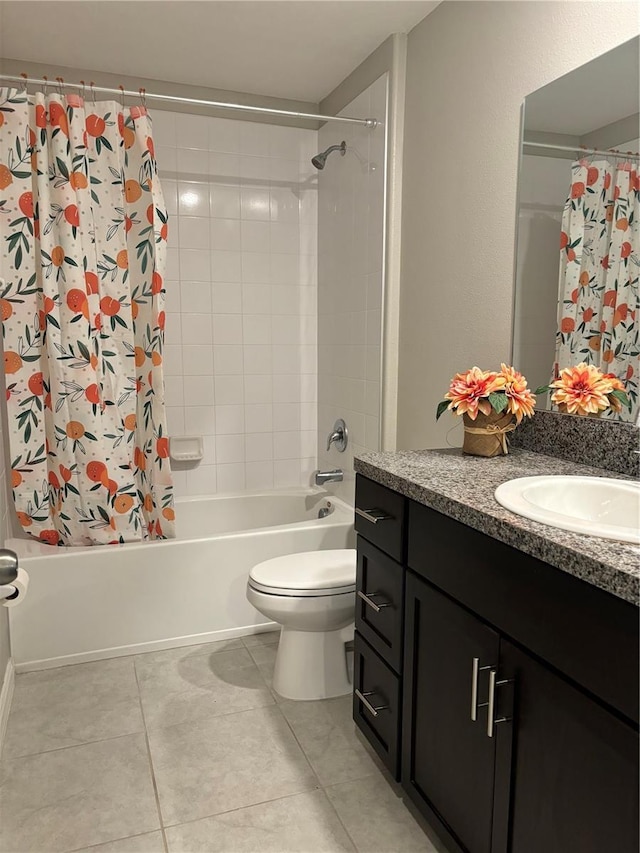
pixel 366 597
pixel 373 515
pixel 475 670
pixel 370 708
pixel 492 701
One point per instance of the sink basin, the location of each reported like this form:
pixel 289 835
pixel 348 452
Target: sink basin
pixel 597 506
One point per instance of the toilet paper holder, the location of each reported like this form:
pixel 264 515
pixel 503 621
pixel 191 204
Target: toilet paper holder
pixel 8 573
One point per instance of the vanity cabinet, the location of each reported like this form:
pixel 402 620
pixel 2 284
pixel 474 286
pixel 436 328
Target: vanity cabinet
pixel 513 697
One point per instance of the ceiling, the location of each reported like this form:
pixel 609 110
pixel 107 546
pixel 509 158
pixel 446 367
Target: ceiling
pixel 282 48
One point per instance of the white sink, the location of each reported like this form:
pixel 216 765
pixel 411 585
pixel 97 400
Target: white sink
pixel 598 506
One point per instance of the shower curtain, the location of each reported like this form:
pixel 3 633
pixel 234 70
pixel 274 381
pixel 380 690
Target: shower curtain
pixel 83 230
pixel 598 301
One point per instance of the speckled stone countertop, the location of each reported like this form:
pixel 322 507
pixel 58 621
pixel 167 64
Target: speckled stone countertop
pixel 462 487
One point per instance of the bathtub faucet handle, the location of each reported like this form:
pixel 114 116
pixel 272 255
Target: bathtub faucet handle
pixel 339 436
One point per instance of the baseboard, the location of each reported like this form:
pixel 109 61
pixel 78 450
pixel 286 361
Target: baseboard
pixel 6 695
pixel 141 648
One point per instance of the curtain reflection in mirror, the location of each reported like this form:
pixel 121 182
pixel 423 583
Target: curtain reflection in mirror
pixel 598 296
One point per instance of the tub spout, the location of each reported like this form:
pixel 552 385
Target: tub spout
pixel 335 476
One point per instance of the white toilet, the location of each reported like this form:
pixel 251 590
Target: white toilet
pixel 312 596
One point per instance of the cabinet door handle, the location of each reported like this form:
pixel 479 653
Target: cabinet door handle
pixel 373 515
pixel 475 670
pixel 370 708
pixel 492 702
pixel 367 598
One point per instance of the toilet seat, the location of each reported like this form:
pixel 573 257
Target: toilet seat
pixel 310 574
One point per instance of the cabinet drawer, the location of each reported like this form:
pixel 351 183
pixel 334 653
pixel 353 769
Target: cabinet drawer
pixel 379 602
pixel 380 516
pixel 377 710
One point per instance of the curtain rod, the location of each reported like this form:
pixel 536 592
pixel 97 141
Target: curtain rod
pixel 626 156
pixel 142 93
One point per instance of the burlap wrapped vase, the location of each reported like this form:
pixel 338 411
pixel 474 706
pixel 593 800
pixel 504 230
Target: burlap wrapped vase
pixel 487 435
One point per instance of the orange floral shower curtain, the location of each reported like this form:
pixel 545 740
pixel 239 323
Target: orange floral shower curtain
pixel 83 229
pixel 599 297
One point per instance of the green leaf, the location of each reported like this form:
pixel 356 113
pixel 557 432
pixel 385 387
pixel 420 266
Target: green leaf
pixel 542 389
pixel 622 397
pixel 443 405
pixel 498 401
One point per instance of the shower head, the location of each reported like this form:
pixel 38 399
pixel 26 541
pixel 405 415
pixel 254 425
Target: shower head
pixel 320 159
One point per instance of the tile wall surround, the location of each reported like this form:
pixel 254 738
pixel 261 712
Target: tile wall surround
pixel 241 334
pixel 350 283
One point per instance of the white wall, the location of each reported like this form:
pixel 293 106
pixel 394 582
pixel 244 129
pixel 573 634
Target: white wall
pixel 240 357
pixel 469 67
pixel 350 283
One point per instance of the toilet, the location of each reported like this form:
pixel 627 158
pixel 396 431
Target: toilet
pixel 312 596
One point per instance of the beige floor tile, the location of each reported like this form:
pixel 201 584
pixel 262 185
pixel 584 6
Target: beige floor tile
pixel 181 689
pixel 75 797
pixel 327 734
pixel 376 818
pixel 150 842
pixel 304 823
pixel 267 638
pixel 71 705
pixel 265 659
pixel 226 763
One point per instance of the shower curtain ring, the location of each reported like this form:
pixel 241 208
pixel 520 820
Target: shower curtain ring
pixel 143 97
pixel 45 85
pixel 59 81
pixel 25 81
pixel 83 90
pixel 121 87
pixel 93 92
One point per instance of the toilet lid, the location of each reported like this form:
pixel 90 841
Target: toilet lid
pixel 309 573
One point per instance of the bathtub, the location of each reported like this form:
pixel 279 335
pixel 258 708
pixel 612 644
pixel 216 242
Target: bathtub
pixel 92 603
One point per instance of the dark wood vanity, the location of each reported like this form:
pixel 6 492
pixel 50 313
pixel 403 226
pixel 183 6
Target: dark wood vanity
pixel 500 690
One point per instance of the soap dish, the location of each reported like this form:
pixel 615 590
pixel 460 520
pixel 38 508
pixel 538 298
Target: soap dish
pixel 186 448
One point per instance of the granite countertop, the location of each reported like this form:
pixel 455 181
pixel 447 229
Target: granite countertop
pixel 462 487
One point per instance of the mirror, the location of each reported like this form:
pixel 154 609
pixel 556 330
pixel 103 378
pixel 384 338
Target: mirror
pixel 578 245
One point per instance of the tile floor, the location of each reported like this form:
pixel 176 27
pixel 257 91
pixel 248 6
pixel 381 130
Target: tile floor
pixel 189 750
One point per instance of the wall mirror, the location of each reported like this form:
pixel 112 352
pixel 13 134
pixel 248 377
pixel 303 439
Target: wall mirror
pixel 578 247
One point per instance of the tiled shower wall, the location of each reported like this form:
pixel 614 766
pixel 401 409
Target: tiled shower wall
pixel 241 357
pixel 350 283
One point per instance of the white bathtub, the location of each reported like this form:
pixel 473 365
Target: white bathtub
pixel 92 603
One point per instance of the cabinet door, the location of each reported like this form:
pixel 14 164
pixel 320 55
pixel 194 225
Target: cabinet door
pixel 447 759
pixel 575 776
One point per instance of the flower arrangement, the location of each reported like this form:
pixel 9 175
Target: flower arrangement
pixel 585 390
pixel 486 391
pixel 490 402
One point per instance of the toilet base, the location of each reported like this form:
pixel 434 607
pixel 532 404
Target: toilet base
pixel 311 665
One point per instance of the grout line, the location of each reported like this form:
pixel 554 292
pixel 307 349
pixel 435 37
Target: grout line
pixel 320 786
pixel 111 841
pixel 151 768
pixel 340 821
pixel 70 746
pixel 242 808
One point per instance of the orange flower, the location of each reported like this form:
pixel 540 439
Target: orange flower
pixel 521 401
pixel 582 390
pixel 469 392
